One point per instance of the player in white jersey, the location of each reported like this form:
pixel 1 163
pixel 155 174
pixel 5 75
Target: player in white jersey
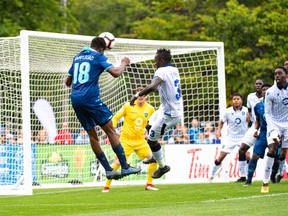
pixel 249 139
pixel 167 81
pixel 276 112
pixel 236 119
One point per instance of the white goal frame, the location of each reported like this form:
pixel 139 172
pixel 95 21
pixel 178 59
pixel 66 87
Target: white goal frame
pixel 24 184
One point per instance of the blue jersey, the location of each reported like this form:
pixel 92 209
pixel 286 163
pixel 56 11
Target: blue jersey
pixel 259 112
pixel 87 66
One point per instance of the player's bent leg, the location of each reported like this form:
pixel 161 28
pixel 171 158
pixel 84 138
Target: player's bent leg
pixel 157 152
pixel 274 171
pixel 151 169
pixel 149 161
pixel 242 162
pixel 251 169
pixel 119 151
pixel 149 158
pixel 216 169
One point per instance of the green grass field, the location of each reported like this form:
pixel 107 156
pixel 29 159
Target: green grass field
pixel 182 199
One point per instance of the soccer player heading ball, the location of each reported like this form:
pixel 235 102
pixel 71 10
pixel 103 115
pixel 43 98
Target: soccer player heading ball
pixel 83 75
pixel 109 39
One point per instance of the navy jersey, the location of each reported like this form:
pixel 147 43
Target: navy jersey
pixel 259 112
pixel 86 68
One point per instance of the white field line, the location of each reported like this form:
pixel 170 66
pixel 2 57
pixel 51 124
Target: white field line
pixel 246 197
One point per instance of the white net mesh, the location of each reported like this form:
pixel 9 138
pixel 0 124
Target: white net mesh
pixel 50 59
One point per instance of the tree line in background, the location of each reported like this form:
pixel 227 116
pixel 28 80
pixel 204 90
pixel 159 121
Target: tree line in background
pixel 254 33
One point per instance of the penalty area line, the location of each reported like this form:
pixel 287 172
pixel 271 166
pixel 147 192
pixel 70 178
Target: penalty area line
pixel 245 198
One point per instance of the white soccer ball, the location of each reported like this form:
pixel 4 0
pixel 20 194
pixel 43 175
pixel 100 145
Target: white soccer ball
pixel 109 39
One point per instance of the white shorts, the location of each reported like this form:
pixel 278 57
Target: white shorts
pixel 249 138
pixel 160 124
pixel 229 144
pixel 278 129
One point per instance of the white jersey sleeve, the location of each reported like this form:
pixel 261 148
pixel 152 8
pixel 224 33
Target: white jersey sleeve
pixel 276 105
pixel 252 100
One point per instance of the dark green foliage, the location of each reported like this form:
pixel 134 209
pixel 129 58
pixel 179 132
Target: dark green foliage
pixel 254 32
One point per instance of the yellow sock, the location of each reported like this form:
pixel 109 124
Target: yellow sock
pixel 151 168
pixel 109 181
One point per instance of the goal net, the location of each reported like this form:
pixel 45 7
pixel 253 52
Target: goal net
pixel 35 104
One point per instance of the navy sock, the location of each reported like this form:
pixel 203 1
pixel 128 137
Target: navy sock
pixel 104 162
pixel 156 148
pixel 275 168
pixel 119 151
pixel 251 169
pixel 242 158
pixel 217 163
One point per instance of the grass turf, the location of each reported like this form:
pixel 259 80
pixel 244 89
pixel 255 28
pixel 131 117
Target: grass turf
pixel 182 199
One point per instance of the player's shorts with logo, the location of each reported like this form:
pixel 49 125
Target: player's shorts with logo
pixel 230 143
pixel 160 123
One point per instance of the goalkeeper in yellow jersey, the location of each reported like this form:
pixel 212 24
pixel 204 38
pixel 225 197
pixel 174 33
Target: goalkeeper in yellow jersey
pixel 132 136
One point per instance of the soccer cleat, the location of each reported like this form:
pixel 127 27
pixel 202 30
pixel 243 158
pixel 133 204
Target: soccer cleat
pixel 160 172
pixel 113 174
pixel 241 179
pixel 131 170
pixel 148 161
pixel 105 189
pixel 210 179
pixel 151 187
pixel 248 183
pixel 265 188
pixel 278 178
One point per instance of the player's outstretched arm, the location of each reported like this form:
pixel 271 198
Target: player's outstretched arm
pixel 152 87
pixel 117 71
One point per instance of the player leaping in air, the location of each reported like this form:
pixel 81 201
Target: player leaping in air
pixel 167 81
pixel 83 75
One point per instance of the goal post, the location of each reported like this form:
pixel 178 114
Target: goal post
pixel 33 97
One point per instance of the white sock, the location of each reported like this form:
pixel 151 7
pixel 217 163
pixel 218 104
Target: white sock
pixel 268 169
pixel 242 168
pixel 281 167
pixel 214 170
pixel 158 156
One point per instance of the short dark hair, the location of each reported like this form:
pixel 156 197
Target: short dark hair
pixel 164 54
pixel 266 85
pixel 283 68
pixel 237 94
pixel 140 88
pixel 98 42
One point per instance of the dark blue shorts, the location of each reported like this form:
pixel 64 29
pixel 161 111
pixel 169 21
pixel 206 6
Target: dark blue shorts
pixel 260 145
pixel 92 115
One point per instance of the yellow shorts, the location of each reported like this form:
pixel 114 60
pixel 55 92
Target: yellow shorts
pixel 139 146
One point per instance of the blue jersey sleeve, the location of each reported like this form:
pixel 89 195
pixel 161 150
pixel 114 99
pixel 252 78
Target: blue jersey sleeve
pixel 104 62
